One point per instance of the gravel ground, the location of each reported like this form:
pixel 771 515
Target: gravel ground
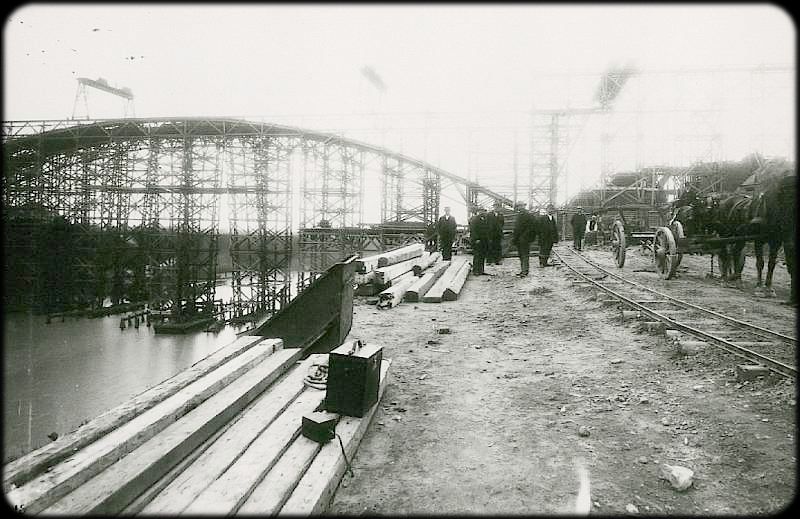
pixel 536 384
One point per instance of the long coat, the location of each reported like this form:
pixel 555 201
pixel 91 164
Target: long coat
pixel 478 230
pixel 548 231
pixel 525 229
pixel 578 222
pixel 446 227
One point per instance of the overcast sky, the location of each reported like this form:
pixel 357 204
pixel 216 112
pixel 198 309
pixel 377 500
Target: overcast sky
pixel 445 68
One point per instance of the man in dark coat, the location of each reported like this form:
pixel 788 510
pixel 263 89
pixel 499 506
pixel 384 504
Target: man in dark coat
pixel 524 234
pixel 495 221
pixel 578 222
pixel 478 237
pixel 446 228
pixel 548 235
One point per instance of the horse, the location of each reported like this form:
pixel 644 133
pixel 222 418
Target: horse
pixel 732 218
pixel 775 219
pixel 720 216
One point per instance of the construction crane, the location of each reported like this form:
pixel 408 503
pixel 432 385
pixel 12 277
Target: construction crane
pixel 102 85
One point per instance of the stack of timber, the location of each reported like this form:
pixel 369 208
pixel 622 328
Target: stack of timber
pixel 405 259
pixel 449 285
pixel 384 259
pixel 423 284
pixel 392 296
pixel 219 438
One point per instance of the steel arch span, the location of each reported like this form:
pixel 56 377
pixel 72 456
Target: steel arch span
pixel 134 207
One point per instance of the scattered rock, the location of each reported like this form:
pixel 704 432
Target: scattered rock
pixel 644 400
pixel 697 388
pixel 679 477
pixel 422 377
pixel 642 459
pixel 583 431
pixel 617 361
pixel 631 508
pixel 665 421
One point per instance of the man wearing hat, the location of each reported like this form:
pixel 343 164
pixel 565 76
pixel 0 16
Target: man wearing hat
pixel 478 237
pixel 446 229
pixel 548 235
pixel 578 222
pixel 495 221
pixel 524 234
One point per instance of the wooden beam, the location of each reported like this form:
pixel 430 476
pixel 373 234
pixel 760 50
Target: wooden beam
pixel 423 284
pixel 228 492
pixel 44 490
pixel 456 283
pixel 436 292
pixel 113 489
pixel 317 486
pixel 384 274
pixel 212 463
pixel 271 494
pixel 393 295
pixel 425 261
pixel 402 254
pixel 26 467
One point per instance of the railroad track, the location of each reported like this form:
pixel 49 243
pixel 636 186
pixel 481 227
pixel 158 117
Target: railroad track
pixel 690 325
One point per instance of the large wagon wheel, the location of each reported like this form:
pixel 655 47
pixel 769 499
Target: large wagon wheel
pixel 677 232
pixel 618 243
pixel 665 253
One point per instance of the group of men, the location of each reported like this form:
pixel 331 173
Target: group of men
pixel 486 236
pixel 529 227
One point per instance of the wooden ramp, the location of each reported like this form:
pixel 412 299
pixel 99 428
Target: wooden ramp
pixel 224 440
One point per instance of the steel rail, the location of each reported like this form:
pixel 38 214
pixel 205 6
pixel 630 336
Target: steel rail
pixel 739 351
pixel 764 331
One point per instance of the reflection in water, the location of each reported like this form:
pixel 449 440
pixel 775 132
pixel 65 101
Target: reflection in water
pixel 59 375
pixel 56 376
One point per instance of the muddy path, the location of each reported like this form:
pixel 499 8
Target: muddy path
pixel 535 381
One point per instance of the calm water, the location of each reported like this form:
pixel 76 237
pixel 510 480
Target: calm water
pixel 58 375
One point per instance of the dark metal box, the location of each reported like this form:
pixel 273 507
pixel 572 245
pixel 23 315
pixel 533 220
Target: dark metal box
pixel 353 379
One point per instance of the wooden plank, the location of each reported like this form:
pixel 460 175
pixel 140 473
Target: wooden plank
pixel 114 488
pixel 271 494
pixel 402 254
pixel 317 486
pixel 180 492
pixel 227 493
pixel 26 467
pixel 435 293
pixel 423 284
pixel 45 489
pixel 456 283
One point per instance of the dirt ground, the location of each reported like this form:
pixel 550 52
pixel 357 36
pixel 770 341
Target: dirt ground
pixel 486 419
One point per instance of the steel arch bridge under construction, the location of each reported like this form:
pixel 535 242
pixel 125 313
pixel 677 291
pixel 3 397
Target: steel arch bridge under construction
pixel 131 208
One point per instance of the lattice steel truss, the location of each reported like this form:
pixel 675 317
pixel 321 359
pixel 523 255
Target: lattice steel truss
pixel 130 209
pixel 410 191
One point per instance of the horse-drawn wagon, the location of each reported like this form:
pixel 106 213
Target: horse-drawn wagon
pixel 721 225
